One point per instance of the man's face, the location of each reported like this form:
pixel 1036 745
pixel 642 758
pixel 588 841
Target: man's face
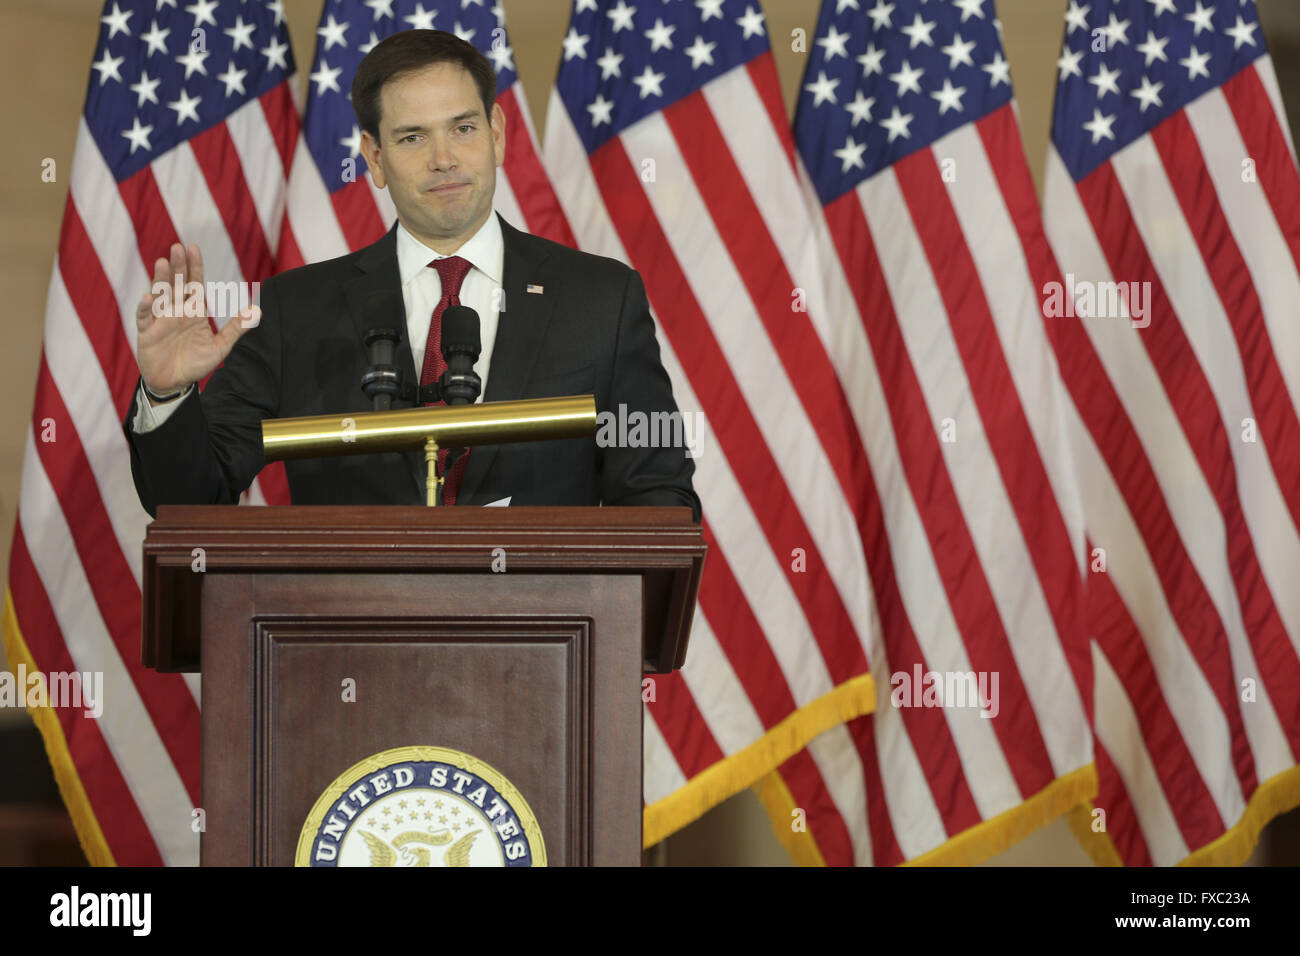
pixel 437 153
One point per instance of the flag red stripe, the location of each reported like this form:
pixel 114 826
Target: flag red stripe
pixel 762 73
pixel 288 255
pixel 274 483
pixel 1275 166
pixel 528 179
pixel 1103 414
pixel 1120 640
pixel 752 659
pixel 1013 447
pixel 1000 134
pixel 758 261
pixel 682 320
pixel 358 216
pixel 91 294
pixel 1269 398
pixel 1120 823
pixel 927 728
pixel 154 230
pixel 824 820
pixel 885 848
pixel 1197 411
pixel 124 829
pixel 219 161
pixel 682 725
pixel 282 119
pixel 1126 459
pixel 742 639
pixel 955 557
pixel 169 702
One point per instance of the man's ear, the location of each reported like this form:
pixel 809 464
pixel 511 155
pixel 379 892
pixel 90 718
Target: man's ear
pixel 370 150
pixel 498 134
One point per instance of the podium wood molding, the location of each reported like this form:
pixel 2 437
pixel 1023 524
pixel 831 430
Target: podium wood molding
pixel 661 545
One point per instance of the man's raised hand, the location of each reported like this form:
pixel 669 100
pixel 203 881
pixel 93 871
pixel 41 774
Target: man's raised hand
pixel 174 349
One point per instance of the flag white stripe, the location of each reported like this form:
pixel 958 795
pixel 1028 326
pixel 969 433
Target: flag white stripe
pixel 128 730
pixel 1255 229
pixel 1017 314
pixel 264 176
pixel 840 766
pixel 771 397
pixel 1014 309
pixel 94 194
pixel 800 661
pixel 1182 272
pixel 76 372
pixel 717 692
pixel 311 214
pixel 662 775
pixel 775 189
pixel 1128 367
pixel 383 202
pixel 1263 67
pixel 761 579
pixel 1120 734
pixel 1180 681
pixel 193 211
pixel 756 568
pixel 917 823
pixel 504 202
pixel 1193 510
pixel 985 509
pixel 914 816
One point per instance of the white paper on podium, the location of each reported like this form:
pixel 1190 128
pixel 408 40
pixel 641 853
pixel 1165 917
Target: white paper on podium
pixel 500 503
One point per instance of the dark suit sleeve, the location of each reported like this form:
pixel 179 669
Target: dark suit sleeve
pixel 209 449
pixel 639 474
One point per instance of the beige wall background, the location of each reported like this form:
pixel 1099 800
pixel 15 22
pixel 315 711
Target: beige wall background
pixel 45 51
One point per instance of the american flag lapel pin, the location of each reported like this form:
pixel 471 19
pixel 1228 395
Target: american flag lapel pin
pixel 535 289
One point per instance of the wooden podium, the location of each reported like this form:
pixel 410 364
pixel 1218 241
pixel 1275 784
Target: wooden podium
pixel 517 635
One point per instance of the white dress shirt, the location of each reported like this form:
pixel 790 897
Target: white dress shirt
pixel 422 288
pixel 421 291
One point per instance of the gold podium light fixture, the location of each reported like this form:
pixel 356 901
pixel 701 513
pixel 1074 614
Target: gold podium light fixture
pixel 449 426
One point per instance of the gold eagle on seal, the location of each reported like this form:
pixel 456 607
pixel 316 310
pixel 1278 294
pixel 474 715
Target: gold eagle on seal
pixel 406 848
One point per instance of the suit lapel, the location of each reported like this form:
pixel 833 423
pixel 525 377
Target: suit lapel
pixel 521 328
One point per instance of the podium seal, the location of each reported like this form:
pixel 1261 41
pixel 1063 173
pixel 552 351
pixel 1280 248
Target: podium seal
pixel 421 806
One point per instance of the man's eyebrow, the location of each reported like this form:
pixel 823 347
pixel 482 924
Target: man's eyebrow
pixel 420 128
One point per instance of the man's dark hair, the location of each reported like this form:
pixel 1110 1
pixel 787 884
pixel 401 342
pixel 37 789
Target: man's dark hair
pixel 407 52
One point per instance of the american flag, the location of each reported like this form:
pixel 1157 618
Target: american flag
pixel 334 207
pixel 670 150
pixel 1171 165
pixel 907 129
pixel 186 134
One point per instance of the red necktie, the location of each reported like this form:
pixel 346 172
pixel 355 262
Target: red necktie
pixel 452 271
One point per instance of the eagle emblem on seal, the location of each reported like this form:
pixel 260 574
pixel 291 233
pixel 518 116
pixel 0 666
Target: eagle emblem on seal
pixel 412 848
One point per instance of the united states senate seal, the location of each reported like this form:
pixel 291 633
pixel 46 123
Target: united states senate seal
pixel 421 806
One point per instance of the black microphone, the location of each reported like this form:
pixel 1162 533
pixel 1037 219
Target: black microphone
pixel 382 379
pixel 460 384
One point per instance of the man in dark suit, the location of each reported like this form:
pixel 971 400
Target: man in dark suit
pixel 565 323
